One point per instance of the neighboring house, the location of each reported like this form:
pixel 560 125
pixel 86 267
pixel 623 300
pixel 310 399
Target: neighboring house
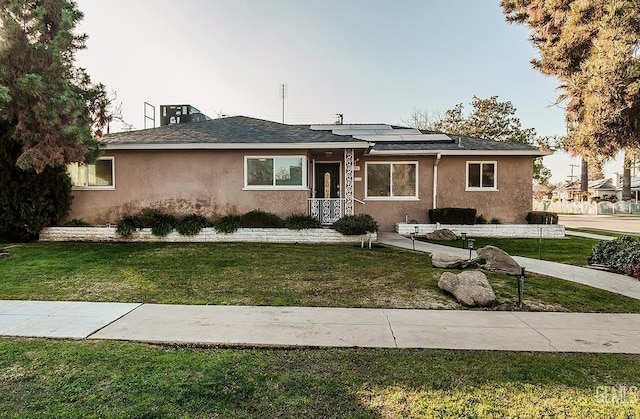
pixel 237 164
pixel 599 189
pixel 635 188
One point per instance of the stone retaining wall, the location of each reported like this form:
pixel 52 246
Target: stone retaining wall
pixel 549 231
pixel 262 235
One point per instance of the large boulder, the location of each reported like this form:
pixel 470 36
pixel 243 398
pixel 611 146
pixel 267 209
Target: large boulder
pixel 442 235
pixel 470 288
pixel 494 259
pixel 449 261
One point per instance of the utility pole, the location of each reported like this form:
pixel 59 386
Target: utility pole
pixel 283 95
pixel 571 176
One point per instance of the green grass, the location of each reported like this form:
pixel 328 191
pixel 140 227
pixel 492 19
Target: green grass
pixel 265 274
pixel 45 378
pixel 571 250
pixel 599 232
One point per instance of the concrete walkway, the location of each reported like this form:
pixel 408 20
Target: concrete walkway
pixel 620 284
pixel 324 327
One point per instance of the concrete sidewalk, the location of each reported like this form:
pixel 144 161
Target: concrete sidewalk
pixel 324 327
pixel 620 284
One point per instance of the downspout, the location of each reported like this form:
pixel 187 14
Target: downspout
pixel 435 180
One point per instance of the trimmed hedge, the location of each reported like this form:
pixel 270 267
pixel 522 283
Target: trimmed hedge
pixel 261 219
pixel 542 217
pixel 453 215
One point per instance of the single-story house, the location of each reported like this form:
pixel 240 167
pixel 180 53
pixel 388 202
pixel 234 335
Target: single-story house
pixel 237 164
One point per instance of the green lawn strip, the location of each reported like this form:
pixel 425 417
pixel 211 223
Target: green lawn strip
pixel 47 378
pixel 572 250
pixel 599 232
pixel 265 274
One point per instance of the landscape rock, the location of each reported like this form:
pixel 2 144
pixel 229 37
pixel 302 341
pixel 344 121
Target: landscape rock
pixel 494 259
pixel 442 235
pixel 470 288
pixel 4 255
pixel 449 261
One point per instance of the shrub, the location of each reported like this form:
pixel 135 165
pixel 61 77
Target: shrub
pixel 191 224
pixel 29 201
pixel 542 217
pixel 356 224
pixel 301 222
pixel 633 270
pixel 160 223
pixel 77 223
pixel 261 219
pixel 617 254
pixel 495 220
pixel 452 215
pixel 228 224
pixel 481 220
pixel 127 226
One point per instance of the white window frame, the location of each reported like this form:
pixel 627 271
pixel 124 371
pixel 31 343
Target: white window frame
pixel 482 188
pixel 391 197
pixel 273 186
pixel 99 188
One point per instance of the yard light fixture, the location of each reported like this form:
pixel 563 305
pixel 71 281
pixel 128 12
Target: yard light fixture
pixel 470 244
pixel 463 236
pixel 413 239
pixel 520 287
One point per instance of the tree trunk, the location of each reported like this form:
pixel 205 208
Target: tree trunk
pixel 584 179
pixel 626 176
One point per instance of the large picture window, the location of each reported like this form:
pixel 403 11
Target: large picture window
pixel 392 180
pixel 284 172
pixel 99 175
pixel 482 176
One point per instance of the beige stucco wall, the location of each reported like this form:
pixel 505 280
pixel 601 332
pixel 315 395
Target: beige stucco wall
pixel 387 212
pixel 510 203
pixel 208 182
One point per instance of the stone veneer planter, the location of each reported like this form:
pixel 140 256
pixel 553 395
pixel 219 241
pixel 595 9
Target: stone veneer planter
pixel 549 231
pixel 262 235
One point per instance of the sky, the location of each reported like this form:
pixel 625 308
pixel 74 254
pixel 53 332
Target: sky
pixel 374 61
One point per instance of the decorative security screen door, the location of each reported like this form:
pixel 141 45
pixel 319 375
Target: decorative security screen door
pixel 327 192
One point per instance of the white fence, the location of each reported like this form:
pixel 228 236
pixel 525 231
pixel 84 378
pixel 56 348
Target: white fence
pixel 594 208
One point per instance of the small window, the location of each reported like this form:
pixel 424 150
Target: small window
pixel 392 180
pixel 286 172
pixel 481 176
pixel 98 175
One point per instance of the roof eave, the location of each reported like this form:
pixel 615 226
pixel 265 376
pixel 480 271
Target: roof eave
pixel 462 152
pixel 236 146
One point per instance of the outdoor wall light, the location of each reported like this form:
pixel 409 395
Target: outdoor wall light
pixel 470 244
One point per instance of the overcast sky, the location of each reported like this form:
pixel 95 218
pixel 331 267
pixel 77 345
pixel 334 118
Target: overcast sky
pixel 374 61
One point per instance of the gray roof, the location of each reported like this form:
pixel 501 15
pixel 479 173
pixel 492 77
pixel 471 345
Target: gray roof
pixel 458 142
pixel 245 132
pixel 231 130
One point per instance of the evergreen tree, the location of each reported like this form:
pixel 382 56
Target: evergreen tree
pixel 48 110
pixel 592 48
pixel 48 104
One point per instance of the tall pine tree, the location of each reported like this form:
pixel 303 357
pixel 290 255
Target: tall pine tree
pixel 48 110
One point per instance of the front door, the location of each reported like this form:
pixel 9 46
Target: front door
pixel 327 205
pixel 327 184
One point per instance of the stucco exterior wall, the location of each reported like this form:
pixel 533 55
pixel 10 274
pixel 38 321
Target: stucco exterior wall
pixel 208 182
pixel 510 203
pixel 388 212
pixel 211 182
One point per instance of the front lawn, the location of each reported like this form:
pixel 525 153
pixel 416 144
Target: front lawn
pixel 571 250
pixel 96 379
pixel 264 274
